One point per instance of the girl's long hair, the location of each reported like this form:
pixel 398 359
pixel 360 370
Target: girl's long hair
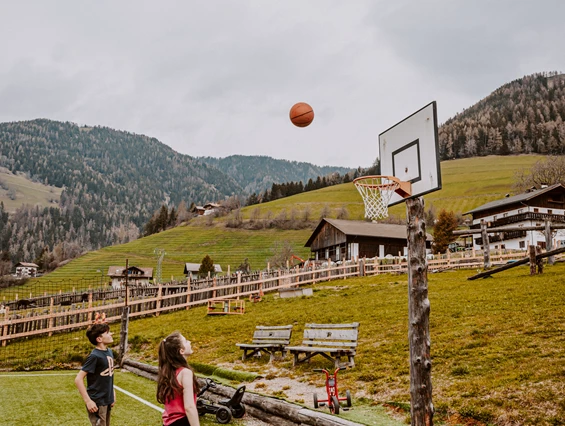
pixel 170 359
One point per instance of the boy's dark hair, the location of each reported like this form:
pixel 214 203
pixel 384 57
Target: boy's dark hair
pixel 96 330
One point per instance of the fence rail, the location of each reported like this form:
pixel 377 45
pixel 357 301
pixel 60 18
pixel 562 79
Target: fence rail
pixel 49 314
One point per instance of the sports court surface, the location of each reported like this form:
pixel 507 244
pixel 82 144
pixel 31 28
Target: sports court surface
pixel 51 399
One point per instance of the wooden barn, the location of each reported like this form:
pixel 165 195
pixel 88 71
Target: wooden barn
pixel 336 239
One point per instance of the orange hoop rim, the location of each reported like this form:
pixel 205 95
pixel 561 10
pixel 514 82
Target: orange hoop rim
pixel 394 179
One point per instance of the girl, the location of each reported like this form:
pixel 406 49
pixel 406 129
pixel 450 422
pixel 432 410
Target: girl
pixel 176 385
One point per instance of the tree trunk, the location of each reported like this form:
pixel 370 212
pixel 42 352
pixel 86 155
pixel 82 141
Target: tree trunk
pixel 421 408
pixel 486 244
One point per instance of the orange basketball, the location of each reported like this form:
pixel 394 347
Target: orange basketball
pixel 301 114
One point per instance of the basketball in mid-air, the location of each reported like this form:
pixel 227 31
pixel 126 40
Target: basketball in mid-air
pixel 301 114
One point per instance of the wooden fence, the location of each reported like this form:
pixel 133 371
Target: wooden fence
pixel 53 314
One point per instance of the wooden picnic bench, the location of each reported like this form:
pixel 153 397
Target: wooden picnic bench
pixel 226 306
pixel 332 341
pixel 268 339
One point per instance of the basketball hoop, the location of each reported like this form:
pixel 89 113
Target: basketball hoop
pixel 376 192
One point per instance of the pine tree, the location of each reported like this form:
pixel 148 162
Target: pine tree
pixel 206 266
pixel 444 226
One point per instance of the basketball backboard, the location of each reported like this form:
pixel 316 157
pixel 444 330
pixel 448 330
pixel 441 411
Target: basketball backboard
pixel 409 151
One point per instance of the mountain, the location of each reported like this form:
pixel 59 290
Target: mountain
pixel 258 173
pixel 525 116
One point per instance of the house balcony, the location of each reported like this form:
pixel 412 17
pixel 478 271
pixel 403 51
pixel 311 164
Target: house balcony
pixel 522 217
pixel 502 236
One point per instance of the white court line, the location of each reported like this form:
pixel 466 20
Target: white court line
pixel 140 399
pixel 37 375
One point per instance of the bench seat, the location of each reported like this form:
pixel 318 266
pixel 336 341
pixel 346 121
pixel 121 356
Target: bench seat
pixel 332 341
pixel 268 339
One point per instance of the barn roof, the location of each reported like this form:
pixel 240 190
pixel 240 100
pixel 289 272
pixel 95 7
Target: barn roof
pixel 364 229
pixel 27 265
pixel 514 199
pixel 194 267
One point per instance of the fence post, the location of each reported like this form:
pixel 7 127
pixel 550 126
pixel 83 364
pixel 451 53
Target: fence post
pixel 188 293
pixel 532 251
pixel 214 287
pixel 361 266
pixel 5 332
pixel 90 313
pixel 51 308
pixel 549 242
pixel 486 244
pixel 539 261
pixel 124 334
pixel 158 303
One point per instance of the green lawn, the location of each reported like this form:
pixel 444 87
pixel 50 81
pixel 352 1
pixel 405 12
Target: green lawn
pixel 51 399
pixel 497 343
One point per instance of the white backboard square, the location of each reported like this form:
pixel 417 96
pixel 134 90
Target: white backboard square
pixel 409 151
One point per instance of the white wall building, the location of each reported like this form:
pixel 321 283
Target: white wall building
pixel 532 208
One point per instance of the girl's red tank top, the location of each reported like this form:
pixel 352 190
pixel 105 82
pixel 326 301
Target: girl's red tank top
pixel 174 409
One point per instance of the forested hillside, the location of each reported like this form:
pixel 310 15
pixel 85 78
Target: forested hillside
pixel 113 182
pixel 258 173
pixel 526 116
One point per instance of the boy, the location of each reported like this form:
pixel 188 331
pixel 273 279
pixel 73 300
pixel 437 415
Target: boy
pixel 98 369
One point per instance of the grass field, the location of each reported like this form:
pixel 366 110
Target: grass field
pixel 51 399
pixel 498 344
pixel 26 192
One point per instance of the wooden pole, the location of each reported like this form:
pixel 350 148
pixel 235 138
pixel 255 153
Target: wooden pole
pixel 5 331
pixel 421 407
pixel 486 244
pixel 539 261
pixel 532 252
pixel 124 327
pixel 549 242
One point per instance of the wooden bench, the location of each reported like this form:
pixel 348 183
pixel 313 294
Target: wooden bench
pixel 226 306
pixel 268 339
pixel 332 341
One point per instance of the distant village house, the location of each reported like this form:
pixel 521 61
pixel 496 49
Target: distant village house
pixel 340 240
pixel 206 209
pixel 532 208
pixel 136 276
pixel 26 270
pixel 191 269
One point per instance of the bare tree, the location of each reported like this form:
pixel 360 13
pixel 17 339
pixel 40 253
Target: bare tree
pixel 342 213
pixel 325 212
pixel 548 171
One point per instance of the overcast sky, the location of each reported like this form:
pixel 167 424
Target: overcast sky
pixel 217 78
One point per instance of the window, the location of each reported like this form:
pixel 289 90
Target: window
pixel 505 215
pixel 503 246
pixel 549 211
pixel 520 211
pixel 536 210
pixel 494 217
pixel 522 244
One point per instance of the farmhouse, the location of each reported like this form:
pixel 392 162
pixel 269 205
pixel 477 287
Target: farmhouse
pixel 136 276
pixel 336 239
pixel 191 269
pixel 206 209
pixel 531 208
pixel 26 270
